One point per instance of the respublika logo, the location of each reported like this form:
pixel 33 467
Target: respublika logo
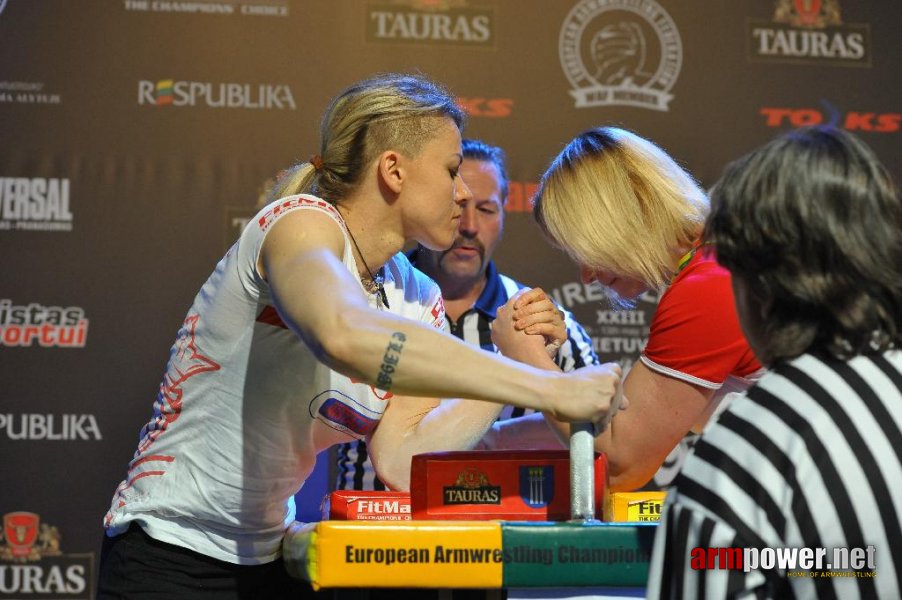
pixel 809 31
pixel 261 8
pixel 45 326
pixel 620 52
pixel 32 564
pixel 261 96
pixel 34 204
pixel 430 21
pixel 36 426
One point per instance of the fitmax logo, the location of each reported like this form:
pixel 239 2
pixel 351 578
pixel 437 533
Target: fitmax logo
pixel 167 92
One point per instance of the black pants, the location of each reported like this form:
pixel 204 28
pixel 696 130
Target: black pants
pixel 135 565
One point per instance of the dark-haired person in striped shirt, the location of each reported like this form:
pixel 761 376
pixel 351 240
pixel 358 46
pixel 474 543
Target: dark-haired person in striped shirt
pixel 473 290
pixel 810 226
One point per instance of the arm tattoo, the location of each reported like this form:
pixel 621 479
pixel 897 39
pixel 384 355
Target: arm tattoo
pixel 390 360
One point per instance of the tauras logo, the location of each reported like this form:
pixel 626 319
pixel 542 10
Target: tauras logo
pixel 809 31
pixel 35 204
pixel 47 326
pixel 263 96
pixel 33 564
pixel 50 427
pixel 448 21
pixel 472 487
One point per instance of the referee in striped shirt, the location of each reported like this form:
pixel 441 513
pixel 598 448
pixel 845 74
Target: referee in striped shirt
pixel 810 227
pixel 473 289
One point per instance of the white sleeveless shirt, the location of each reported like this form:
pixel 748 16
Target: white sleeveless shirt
pixel 244 408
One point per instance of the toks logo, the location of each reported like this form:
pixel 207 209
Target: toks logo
pixel 809 31
pixel 831 115
pixel 166 92
pixel 486 107
pixel 24 539
pixel 620 53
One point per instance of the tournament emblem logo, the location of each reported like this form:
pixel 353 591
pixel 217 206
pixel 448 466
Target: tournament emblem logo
pixel 620 53
pixel 536 485
pixel 472 487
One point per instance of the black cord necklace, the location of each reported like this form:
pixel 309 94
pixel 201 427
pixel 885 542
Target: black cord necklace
pixel 375 283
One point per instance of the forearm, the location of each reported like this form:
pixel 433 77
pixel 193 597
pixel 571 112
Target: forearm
pixel 530 432
pixel 389 351
pixel 411 358
pixel 628 467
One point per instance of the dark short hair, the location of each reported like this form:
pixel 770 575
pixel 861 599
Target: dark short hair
pixel 813 224
pixel 479 150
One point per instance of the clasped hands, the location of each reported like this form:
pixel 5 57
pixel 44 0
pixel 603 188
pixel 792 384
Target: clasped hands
pixel 530 328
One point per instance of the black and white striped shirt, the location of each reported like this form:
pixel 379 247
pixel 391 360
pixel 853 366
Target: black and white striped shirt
pixel 355 471
pixel 811 457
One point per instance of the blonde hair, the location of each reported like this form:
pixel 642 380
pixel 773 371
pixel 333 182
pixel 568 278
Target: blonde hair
pixel 390 111
pixel 616 202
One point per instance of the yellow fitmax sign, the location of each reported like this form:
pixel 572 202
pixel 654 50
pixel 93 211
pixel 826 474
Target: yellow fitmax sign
pixel 635 506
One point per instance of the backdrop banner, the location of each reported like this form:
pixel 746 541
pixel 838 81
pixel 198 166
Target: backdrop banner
pixel 136 137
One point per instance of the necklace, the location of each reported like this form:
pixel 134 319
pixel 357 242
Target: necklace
pixel 374 285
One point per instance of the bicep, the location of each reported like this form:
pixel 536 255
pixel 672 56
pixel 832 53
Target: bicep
pixel 400 419
pixel 401 416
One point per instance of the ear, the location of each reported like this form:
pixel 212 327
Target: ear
pixel 391 169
